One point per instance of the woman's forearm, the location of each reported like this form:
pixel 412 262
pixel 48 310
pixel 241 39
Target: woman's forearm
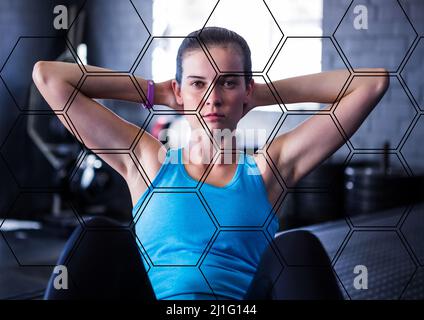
pixel 323 87
pixel 105 86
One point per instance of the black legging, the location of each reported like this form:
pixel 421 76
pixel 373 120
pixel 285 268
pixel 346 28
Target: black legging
pixel 105 263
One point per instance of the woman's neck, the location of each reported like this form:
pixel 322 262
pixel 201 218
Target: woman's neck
pixel 203 152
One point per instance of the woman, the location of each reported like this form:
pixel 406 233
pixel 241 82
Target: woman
pixel 235 258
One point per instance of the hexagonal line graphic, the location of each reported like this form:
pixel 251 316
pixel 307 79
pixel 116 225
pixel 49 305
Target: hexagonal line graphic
pixel 7 164
pixel 76 133
pixel 215 159
pixel 271 89
pixel 36 294
pixel 141 92
pixel 80 10
pixel 145 26
pixel 148 195
pixel 98 154
pixel 11 205
pixel 379 227
pixel 2 232
pixel 274 50
pixel 144 51
pixel 8 91
pixel 394 227
pixel 201 102
pixel 343 244
pixel 36 37
pixel 404 161
pixel 340 283
pixel 82 235
pixel 279 199
pixel 409 54
pixel 60 115
pixel 215 83
pixel 343 87
pixel 13 102
pixel 143 207
pixel 380 152
pixel 283 267
pixel 269 245
pixel 87 153
pixel 188 268
pixel 409 248
pixel 78 13
pixel 410 49
pixel 153 265
pixel 274 214
pixel 23 192
pixel 404 83
pixel 419 117
pixel 407 243
pixel 319 189
pixel 202 182
pixel 402 245
pixel 407 206
pixel 408 283
pixel 7 136
pixel 338 251
pixel 207 282
pixel 67 45
pixel 417 113
pixel 404 216
pixel 330 269
pixel 392 230
pixel 274 165
pixel 194 114
pixel 332 259
pixel 404 57
pixel 235 176
pixel 281 183
pixel 375 149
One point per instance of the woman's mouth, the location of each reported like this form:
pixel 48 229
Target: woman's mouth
pixel 213 117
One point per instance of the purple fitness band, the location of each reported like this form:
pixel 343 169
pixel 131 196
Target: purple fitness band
pixel 150 94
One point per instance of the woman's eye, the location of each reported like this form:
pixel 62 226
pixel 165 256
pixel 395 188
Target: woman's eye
pixel 198 84
pixel 229 84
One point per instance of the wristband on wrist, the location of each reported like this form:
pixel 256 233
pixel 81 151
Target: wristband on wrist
pixel 150 94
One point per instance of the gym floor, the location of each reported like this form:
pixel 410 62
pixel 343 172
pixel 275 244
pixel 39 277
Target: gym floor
pixel 392 250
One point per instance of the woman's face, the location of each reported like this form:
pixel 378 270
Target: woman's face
pixel 228 95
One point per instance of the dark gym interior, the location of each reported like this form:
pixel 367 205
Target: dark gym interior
pixel 365 203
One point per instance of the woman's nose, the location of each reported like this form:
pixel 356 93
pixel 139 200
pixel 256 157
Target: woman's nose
pixel 215 97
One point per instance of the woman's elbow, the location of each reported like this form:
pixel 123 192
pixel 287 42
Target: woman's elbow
pixel 382 81
pixel 40 73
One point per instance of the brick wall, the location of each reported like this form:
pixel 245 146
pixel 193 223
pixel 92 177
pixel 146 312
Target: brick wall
pixel 386 42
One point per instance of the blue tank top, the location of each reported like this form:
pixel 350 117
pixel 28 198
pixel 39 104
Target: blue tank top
pixel 200 241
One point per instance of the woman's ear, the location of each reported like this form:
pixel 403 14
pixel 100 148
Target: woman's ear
pixel 176 88
pixel 249 91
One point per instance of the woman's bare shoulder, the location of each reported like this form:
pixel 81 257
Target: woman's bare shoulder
pixel 150 153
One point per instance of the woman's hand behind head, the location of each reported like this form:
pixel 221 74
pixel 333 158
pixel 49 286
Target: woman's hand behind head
pixel 164 95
